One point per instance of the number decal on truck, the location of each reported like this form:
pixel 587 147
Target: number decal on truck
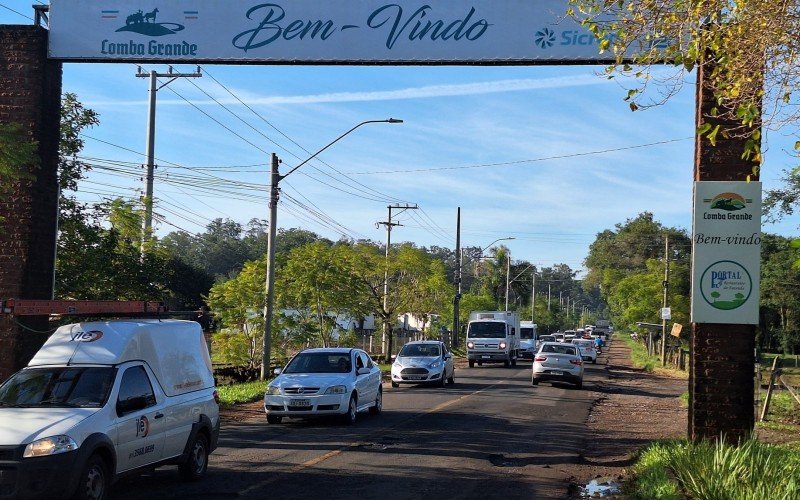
pixel 142 426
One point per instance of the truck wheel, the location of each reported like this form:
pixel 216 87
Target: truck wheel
pixel 395 385
pixel 506 363
pixel 196 464
pixel 514 362
pixel 94 480
pixel 274 419
pixel 534 382
pixel 471 364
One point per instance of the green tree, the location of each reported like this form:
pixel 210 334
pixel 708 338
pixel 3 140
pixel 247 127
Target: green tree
pixel 748 49
pixel 780 295
pixel 432 295
pixel 74 119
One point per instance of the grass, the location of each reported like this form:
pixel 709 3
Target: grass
pixel 647 363
pixel 245 392
pixel 783 408
pixel 677 469
pixel 684 397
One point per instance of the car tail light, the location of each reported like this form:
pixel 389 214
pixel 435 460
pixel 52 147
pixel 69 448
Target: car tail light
pixel 576 361
pixel 216 396
pixel 540 358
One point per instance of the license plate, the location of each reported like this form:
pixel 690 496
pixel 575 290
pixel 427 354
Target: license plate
pixel 556 373
pixel 300 402
pixel 415 378
pixel 486 357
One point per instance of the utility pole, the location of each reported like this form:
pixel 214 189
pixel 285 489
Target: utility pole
pixel 151 139
pixel 457 299
pixel 664 302
pixel 508 272
pixel 533 295
pixel 275 178
pixel 548 297
pixel 386 344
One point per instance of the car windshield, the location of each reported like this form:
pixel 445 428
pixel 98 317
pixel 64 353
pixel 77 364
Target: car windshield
pixel 320 362
pixel 526 333
pixel 419 350
pixel 86 387
pixel 559 349
pixel 487 330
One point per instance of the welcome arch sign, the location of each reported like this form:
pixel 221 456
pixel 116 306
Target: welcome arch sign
pixel 320 32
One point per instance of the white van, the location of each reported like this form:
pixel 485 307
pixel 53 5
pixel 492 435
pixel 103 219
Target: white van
pixel 104 399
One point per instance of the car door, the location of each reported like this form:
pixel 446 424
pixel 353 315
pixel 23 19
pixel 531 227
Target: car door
pixel 140 420
pixel 448 362
pixel 365 383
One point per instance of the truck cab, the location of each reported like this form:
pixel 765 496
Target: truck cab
pixel 528 337
pixel 493 337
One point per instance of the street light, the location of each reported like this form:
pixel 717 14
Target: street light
pixel 508 262
pixel 275 178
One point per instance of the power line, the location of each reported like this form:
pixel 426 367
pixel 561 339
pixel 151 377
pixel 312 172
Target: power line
pixel 518 162
pixel 16 12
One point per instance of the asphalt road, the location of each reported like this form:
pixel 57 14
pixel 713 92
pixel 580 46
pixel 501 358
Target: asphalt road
pixel 491 435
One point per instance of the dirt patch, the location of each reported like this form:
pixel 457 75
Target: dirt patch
pixel 632 409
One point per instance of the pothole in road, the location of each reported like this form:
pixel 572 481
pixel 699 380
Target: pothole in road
pixel 380 444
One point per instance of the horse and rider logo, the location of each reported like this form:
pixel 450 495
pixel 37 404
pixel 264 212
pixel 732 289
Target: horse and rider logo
pixel 145 23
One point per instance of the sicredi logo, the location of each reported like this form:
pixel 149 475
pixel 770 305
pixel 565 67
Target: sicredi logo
pixel 545 38
pixel 90 336
pixel 726 285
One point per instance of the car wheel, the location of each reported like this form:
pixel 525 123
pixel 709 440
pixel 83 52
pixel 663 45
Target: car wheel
pixel 196 464
pixel 534 382
pixel 378 406
pixel 395 384
pixel 350 417
pixel 480 363
pixel 94 480
pixel 579 385
pixel 471 364
pixel 452 379
pixel 594 361
pixel 274 419
pixel 443 378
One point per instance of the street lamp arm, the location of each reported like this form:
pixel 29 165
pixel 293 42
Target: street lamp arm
pixel 495 241
pixel 390 120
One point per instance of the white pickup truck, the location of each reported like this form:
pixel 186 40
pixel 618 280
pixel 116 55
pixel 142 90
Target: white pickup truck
pixel 104 399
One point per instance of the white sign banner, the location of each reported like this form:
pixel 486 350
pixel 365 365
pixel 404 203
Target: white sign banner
pixel 726 252
pixel 320 31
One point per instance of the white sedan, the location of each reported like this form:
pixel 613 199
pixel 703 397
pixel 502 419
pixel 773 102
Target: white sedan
pixel 420 362
pixel 326 381
pixel 560 362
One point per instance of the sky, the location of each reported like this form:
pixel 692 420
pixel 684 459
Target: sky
pixel 548 155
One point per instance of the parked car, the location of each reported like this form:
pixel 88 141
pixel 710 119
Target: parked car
pixel 426 361
pixel 558 361
pixel 588 349
pixel 325 382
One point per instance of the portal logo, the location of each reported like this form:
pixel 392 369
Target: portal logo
pixel 726 285
pixel 545 38
pixel 730 202
pixel 90 336
pixel 144 23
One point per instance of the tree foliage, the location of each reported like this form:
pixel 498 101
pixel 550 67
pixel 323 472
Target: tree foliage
pixel 749 49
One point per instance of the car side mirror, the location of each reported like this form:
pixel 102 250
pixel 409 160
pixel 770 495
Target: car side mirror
pixel 448 356
pixel 363 371
pixel 277 371
pixel 394 356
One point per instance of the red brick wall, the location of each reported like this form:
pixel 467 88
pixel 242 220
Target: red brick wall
pixel 30 94
pixel 722 368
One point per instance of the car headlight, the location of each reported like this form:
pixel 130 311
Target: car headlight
pixel 50 446
pixel 435 364
pixel 273 390
pixel 397 364
pixel 336 389
pixel 470 345
pixel 502 345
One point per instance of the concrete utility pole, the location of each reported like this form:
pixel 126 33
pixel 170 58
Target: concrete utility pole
pixel 508 273
pixel 533 295
pixel 151 139
pixel 665 302
pixel 387 334
pixel 274 191
pixel 457 298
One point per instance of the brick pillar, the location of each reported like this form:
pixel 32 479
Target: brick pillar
pixel 30 95
pixel 722 368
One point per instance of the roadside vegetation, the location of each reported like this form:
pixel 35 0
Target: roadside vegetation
pixel 678 469
pixel 244 392
pixel 645 362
